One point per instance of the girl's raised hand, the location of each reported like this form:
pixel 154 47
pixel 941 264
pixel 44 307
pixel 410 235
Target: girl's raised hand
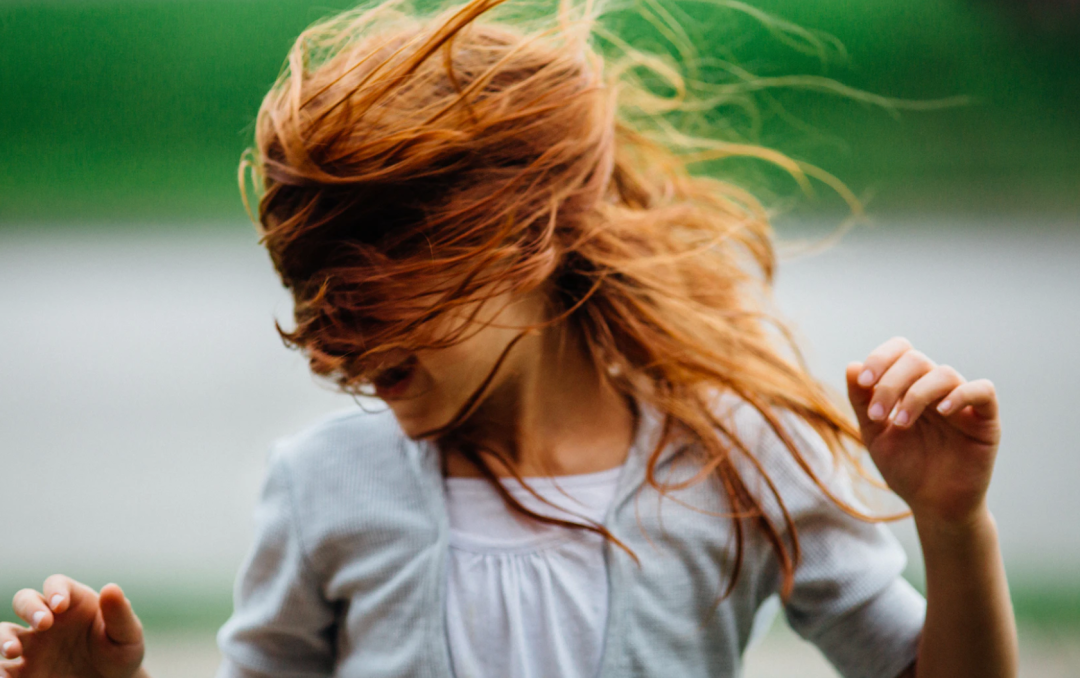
pixel 74 632
pixel 932 434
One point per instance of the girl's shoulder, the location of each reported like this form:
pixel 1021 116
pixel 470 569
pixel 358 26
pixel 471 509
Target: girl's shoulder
pixel 755 431
pixel 350 470
pixel 787 469
pixel 349 435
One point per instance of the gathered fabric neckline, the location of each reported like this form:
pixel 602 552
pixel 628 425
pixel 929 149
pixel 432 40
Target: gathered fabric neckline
pixel 482 522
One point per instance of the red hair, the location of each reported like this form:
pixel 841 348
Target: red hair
pixel 409 164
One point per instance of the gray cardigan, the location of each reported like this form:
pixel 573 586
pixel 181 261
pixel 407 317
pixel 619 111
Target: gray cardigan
pixel 346 576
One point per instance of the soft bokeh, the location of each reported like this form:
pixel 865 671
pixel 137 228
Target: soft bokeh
pixel 142 381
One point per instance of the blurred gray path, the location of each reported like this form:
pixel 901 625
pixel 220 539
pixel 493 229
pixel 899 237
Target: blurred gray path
pixel 141 380
pixel 781 654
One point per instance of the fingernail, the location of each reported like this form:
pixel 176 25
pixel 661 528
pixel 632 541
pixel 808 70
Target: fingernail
pixel 56 600
pixel 7 648
pixel 902 418
pixel 38 616
pixel 866 378
pixel 944 406
pixel 876 411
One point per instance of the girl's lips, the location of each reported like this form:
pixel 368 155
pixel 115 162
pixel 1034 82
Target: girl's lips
pixel 393 382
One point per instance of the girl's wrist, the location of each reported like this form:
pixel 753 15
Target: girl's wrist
pixel 955 533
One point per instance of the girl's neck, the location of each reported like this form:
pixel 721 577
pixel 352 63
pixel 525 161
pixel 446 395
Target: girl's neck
pixel 553 413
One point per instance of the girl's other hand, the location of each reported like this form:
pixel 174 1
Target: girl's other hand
pixel 932 434
pixel 74 632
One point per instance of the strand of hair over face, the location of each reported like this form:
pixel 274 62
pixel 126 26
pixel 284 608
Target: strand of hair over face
pixel 412 166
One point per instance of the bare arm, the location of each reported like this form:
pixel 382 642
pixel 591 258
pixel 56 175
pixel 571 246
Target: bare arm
pixel 934 436
pixel 969 626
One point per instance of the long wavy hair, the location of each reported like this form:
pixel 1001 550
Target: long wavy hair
pixel 409 163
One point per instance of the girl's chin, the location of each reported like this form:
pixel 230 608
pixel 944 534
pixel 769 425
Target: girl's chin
pixel 414 425
pixel 419 417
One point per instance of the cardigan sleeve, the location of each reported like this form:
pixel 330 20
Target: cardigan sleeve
pixel 281 624
pixel 849 597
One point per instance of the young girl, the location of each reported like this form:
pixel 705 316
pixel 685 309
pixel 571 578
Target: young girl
pixel 597 460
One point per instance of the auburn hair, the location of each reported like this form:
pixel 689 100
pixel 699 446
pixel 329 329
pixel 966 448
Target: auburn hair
pixel 409 163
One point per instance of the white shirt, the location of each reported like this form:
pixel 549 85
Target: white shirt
pixel 526 599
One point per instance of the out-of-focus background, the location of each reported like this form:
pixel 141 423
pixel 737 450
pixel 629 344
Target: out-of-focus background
pixel 142 381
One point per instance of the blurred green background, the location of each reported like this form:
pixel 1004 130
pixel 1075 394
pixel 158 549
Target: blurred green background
pixel 138 110
pixel 122 121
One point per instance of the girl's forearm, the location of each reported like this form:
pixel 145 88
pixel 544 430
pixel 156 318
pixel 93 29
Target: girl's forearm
pixel 970 629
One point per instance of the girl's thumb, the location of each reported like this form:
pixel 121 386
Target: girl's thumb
pixel 121 624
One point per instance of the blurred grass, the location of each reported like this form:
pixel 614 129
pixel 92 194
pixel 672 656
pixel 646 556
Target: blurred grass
pixel 165 607
pixel 138 110
pixel 1048 607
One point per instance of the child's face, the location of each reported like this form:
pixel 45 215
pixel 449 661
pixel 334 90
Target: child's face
pixel 431 386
